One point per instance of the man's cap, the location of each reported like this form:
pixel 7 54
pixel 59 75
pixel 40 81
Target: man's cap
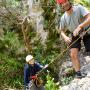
pixel 28 58
pixel 60 1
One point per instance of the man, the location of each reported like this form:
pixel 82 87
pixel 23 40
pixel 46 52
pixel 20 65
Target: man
pixel 30 70
pixel 75 19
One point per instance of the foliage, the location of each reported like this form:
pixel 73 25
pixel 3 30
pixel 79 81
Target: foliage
pixel 11 43
pixel 50 85
pixel 85 2
pixel 10 71
pixel 66 80
pixel 13 3
pixel 11 68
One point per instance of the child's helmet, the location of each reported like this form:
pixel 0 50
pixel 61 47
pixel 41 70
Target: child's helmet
pixel 28 58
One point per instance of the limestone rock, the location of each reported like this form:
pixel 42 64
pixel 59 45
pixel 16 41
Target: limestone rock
pixel 78 84
pixel 84 83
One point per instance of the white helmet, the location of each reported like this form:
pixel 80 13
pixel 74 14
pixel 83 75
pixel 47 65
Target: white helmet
pixel 28 58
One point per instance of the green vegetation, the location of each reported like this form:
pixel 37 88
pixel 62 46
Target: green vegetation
pixel 66 80
pixel 11 71
pixel 12 45
pixel 50 84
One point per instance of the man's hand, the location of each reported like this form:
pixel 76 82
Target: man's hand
pixel 68 40
pixel 76 31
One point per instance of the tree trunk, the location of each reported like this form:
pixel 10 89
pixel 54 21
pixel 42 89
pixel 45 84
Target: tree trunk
pixel 25 31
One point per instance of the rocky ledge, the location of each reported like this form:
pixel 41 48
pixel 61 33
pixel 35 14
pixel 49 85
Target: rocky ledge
pixel 84 83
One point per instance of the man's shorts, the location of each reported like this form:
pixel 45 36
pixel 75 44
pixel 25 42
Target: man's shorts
pixel 77 43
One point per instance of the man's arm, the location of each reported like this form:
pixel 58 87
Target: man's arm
pixel 66 38
pixel 86 22
pixel 82 25
pixel 86 14
pixel 63 28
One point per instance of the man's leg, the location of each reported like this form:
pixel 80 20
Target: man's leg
pixel 75 58
pixel 75 61
pixel 74 50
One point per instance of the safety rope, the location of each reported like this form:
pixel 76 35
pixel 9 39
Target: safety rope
pixel 62 52
pixel 40 82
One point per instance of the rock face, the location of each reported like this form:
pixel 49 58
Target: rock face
pixel 78 84
pixel 84 83
pixel 35 12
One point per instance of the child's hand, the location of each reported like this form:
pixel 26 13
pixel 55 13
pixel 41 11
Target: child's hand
pixel 45 66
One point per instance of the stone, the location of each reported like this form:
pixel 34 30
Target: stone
pixel 84 83
pixel 88 74
pixel 87 58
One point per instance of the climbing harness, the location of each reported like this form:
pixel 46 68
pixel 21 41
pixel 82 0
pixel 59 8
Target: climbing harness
pixel 38 82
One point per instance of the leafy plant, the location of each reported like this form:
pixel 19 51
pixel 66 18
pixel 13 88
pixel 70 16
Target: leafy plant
pixel 50 85
pixel 66 80
pixel 11 70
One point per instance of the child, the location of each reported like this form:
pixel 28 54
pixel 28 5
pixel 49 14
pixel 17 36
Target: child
pixel 30 70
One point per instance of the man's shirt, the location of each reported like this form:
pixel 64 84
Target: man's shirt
pixel 72 21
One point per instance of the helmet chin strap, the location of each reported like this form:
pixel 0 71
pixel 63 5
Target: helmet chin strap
pixel 69 8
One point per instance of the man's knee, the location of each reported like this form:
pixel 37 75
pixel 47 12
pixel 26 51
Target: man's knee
pixel 74 53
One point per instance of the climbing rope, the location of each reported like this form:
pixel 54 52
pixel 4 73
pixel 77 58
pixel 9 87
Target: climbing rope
pixel 62 52
pixel 39 81
pixel 60 55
